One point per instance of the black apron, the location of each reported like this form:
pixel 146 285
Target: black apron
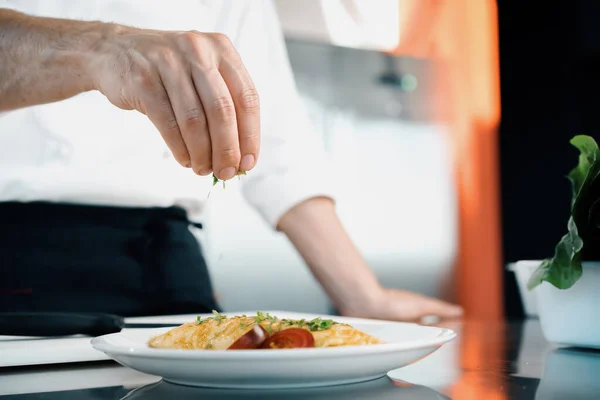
pixel 125 261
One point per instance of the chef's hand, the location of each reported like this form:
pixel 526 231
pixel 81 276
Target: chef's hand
pixel 193 86
pixel 399 305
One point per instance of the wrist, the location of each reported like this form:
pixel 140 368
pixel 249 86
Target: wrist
pixel 91 51
pixel 366 302
pixel 88 51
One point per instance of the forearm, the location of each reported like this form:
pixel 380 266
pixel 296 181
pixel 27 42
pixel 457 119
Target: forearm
pixel 318 235
pixel 42 59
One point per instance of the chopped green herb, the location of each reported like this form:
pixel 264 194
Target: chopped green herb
pixel 216 180
pixel 260 317
pixel 208 346
pixel 218 317
pixel 270 327
pixel 319 324
pixel 316 324
pixel 271 318
pixel 290 322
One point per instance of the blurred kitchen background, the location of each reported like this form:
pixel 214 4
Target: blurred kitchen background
pixel 394 173
pixel 448 123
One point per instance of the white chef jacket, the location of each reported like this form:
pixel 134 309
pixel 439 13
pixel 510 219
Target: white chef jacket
pixel 85 150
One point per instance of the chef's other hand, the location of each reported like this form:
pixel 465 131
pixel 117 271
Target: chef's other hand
pixel 194 88
pixel 399 305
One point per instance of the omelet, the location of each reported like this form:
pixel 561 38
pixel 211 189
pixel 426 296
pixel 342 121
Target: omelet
pixel 220 332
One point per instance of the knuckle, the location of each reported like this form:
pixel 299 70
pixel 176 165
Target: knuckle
pixel 159 51
pixel 167 56
pixel 252 138
pixel 195 118
pixel 145 78
pixel 193 42
pixel 249 100
pixel 190 37
pixel 171 126
pixel 221 40
pixel 224 108
pixel 229 155
pixel 204 49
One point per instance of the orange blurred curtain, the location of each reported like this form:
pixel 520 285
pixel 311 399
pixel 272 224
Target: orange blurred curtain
pixel 461 36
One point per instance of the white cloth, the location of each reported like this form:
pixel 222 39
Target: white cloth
pixel 84 150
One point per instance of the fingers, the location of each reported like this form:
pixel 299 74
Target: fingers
pixel 197 92
pixel 157 106
pixel 247 107
pixel 222 123
pixel 190 116
pixel 434 307
pixel 407 306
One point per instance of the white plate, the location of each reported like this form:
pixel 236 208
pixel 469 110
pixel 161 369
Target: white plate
pixel 406 344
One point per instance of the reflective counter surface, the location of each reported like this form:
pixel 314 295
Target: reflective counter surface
pixel 488 360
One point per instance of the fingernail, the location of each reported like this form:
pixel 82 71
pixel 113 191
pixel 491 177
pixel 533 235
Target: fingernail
pixel 456 312
pixel 188 165
pixel 430 319
pixel 247 162
pixel 227 173
pixel 202 172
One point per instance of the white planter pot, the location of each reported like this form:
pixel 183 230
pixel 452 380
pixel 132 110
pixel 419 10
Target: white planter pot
pixel 523 271
pixel 571 317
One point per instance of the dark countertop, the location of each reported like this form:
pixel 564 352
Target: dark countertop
pixel 488 360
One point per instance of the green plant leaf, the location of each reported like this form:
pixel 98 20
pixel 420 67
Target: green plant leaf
pixel 587 158
pixel 564 269
pixel 585 197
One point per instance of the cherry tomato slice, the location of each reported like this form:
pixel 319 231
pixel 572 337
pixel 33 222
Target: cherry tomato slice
pixel 250 340
pixel 289 339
